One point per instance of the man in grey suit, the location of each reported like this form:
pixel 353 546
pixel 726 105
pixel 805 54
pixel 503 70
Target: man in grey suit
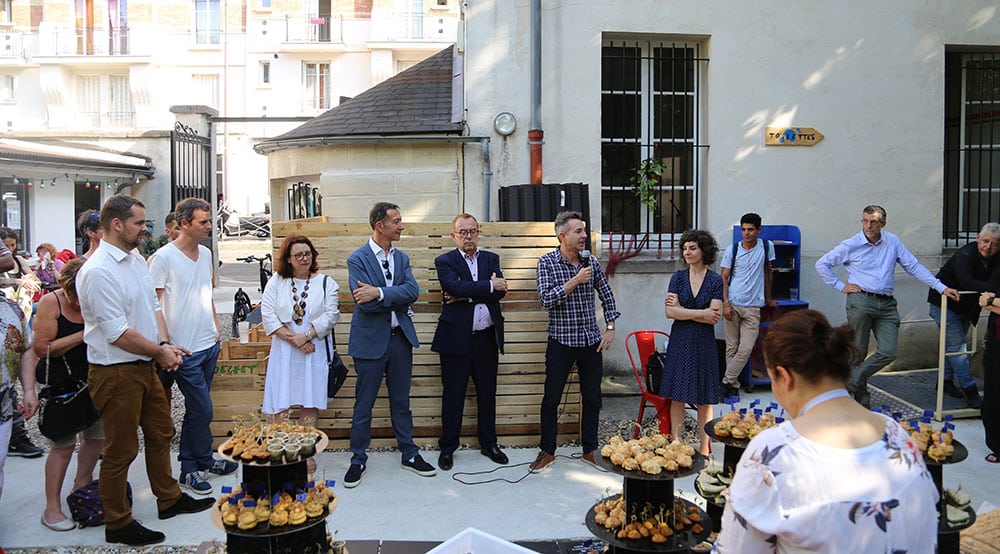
pixel 382 339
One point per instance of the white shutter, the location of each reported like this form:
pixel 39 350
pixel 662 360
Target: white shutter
pixel 88 100
pixel 122 108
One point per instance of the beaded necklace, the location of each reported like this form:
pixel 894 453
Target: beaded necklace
pixel 299 306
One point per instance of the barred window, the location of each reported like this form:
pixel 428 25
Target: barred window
pixel 972 143
pixel 650 110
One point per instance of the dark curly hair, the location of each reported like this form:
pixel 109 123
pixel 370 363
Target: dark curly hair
pixel 804 343
pixel 706 243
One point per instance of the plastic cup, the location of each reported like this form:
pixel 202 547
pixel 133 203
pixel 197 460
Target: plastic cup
pixel 293 452
pixel 276 451
pixel 308 447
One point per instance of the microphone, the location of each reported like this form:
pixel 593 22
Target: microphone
pixel 585 258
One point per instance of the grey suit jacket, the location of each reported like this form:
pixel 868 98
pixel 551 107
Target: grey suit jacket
pixel 371 322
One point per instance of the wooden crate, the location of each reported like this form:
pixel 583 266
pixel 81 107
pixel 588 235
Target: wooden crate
pixel 521 371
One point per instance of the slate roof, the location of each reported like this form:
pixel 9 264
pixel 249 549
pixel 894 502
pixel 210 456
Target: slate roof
pixel 417 100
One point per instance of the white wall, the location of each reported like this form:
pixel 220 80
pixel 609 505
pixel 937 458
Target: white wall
pixel 869 75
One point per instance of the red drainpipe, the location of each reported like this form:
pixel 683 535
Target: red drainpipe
pixel 535 148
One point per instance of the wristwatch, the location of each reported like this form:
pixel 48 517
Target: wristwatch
pixel 989 301
pixel 611 326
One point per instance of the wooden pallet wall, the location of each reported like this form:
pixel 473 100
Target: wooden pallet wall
pixel 239 382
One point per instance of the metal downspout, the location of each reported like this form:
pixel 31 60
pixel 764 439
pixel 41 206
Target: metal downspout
pixel 535 133
pixel 487 173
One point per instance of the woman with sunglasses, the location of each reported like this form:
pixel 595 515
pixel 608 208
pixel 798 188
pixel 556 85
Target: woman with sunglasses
pixel 299 310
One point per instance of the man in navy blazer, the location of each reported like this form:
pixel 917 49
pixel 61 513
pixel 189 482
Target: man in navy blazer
pixel 468 336
pixel 382 339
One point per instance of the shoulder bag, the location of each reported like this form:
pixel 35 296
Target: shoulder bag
pixel 66 407
pixel 336 369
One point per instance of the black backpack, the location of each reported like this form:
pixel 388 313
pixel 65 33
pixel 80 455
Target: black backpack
pixel 654 371
pixel 767 257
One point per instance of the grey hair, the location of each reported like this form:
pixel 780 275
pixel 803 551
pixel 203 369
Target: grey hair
pixel 563 219
pixel 992 228
pixel 876 209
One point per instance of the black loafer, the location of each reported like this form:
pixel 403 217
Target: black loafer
pixel 187 505
pixel 494 453
pixel 446 461
pixel 134 534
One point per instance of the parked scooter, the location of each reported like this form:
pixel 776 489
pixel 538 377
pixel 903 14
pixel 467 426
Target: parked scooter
pixel 232 224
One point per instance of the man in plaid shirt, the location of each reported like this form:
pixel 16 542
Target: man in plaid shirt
pixel 566 285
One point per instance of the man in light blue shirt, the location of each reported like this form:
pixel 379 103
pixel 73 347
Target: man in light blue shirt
pixel 746 288
pixel 870 258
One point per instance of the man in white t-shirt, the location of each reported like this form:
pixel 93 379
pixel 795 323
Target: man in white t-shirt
pixel 746 288
pixel 182 274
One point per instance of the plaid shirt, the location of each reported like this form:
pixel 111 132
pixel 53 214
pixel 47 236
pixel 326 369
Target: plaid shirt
pixel 572 318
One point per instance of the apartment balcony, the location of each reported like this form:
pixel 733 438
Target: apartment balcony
pixel 12 49
pixel 419 29
pixel 66 45
pixel 296 34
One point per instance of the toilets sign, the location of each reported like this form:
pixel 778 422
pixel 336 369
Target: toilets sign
pixel 791 136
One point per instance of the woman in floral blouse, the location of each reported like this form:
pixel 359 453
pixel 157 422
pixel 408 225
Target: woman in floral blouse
pixel 837 477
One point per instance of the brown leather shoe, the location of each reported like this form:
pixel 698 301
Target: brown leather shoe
pixel 541 461
pixel 589 457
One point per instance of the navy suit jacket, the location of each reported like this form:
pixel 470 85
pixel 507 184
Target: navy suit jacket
pixel 454 331
pixel 371 322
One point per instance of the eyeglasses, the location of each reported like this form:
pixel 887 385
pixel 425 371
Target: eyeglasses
pixel 385 266
pixel 467 232
pixel 302 255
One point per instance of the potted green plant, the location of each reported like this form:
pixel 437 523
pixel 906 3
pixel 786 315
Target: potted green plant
pixel 645 180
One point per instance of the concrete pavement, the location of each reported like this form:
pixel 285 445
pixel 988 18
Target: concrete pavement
pixel 393 504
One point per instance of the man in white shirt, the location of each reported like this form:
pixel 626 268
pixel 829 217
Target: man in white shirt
pixel 182 275
pixel 746 288
pixel 870 258
pixel 122 326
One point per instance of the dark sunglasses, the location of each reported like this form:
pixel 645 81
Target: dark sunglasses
pixel 385 266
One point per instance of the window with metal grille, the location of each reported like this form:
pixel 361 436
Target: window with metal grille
pixel 316 86
pixel 206 21
pixel 972 143
pixel 650 110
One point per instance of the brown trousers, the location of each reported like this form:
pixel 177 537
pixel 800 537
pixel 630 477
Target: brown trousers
pixel 129 396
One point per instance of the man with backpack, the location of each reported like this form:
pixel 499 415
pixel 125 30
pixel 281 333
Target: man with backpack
pixel 746 288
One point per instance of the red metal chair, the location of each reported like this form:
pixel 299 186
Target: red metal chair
pixel 645 345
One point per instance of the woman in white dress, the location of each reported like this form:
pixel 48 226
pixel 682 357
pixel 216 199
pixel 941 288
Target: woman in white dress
pixel 836 477
pixel 299 310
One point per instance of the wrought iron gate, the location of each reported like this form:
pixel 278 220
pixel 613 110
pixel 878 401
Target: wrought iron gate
pixel 190 165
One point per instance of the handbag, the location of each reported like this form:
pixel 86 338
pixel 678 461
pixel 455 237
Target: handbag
pixel 336 368
pixel 66 408
pixel 85 506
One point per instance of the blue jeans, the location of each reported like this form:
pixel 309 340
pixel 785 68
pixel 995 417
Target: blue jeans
pixel 397 366
pixel 954 341
pixel 194 378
